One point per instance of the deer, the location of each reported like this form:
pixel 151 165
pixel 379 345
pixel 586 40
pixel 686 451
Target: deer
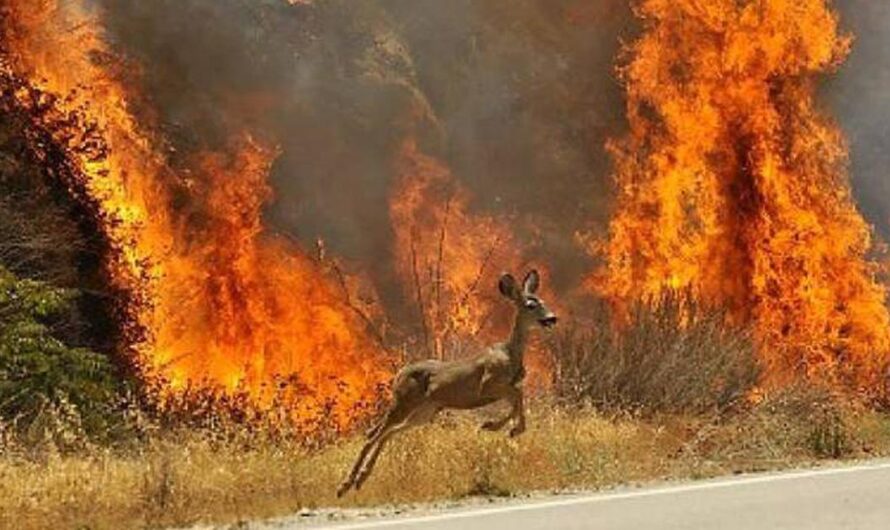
pixel 422 389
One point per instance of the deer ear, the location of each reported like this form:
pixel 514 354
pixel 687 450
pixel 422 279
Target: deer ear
pixel 532 282
pixel 508 287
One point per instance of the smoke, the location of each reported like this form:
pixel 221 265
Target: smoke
pixel 527 100
pixel 517 97
pixel 859 95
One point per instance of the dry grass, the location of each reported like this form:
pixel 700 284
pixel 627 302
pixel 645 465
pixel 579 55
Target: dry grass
pixel 681 372
pixel 672 356
pixel 186 478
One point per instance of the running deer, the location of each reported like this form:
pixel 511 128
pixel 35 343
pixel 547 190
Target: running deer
pixel 422 389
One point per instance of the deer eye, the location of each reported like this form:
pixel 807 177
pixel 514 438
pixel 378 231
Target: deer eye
pixel 531 304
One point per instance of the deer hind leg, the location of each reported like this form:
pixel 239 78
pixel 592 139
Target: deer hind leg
pixel 393 416
pixel 350 478
pixel 409 391
pixel 373 431
pixel 422 414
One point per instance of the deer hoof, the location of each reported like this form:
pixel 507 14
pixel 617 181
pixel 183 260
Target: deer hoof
pixel 343 489
pixel 492 426
pixel 516 431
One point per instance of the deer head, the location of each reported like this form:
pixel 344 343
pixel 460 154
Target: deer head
pixel 530 307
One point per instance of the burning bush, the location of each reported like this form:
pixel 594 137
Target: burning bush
pixel 732 182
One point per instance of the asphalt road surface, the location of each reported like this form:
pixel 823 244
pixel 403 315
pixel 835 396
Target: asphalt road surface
pixel 855 497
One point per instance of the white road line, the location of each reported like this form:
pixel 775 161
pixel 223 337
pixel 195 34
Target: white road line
pixel 574 501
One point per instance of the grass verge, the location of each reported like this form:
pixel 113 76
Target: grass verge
pixel 191 477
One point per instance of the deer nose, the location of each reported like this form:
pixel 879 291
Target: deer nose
pixel 549 321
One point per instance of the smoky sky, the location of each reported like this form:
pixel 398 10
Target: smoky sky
pixel 517 97
pixel 860 97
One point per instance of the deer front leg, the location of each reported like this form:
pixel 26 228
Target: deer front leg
pixel 517 413
pixel 483 391
pixel 483 383
pixel 513 395
pixel 496 425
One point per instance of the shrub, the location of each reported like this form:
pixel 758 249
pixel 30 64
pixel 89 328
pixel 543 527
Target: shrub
pixel 800 422
pixel 43 381
pixel 673 355
pixel 818 419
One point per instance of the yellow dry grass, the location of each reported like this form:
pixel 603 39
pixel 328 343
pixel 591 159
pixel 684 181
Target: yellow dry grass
pixel 189 478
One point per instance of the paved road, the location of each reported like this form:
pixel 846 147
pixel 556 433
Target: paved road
pixel 836 498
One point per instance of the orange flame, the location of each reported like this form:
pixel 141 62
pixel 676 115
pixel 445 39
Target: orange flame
pixel 449 257
pixel 240 308
pixel 225 306
pixel 732 183
pixel 440 247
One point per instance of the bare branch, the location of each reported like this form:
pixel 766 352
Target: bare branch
pixel 475 285
pixel 419 292
pixel 347 296
pixel 439 280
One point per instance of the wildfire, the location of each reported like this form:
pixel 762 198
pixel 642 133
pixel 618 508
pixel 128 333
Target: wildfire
pixel 449 257
pixel 733 183
pixel 223 305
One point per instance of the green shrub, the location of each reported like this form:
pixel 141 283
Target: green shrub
pixel 43 381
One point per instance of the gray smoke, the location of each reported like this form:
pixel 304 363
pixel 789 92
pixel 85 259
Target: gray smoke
pixel 518 97
pixel 860 97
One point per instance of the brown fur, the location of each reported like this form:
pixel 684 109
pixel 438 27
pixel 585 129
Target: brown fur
pixel 422 389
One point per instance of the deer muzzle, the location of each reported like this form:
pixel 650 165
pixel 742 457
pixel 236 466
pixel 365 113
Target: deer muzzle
pixel 548 321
